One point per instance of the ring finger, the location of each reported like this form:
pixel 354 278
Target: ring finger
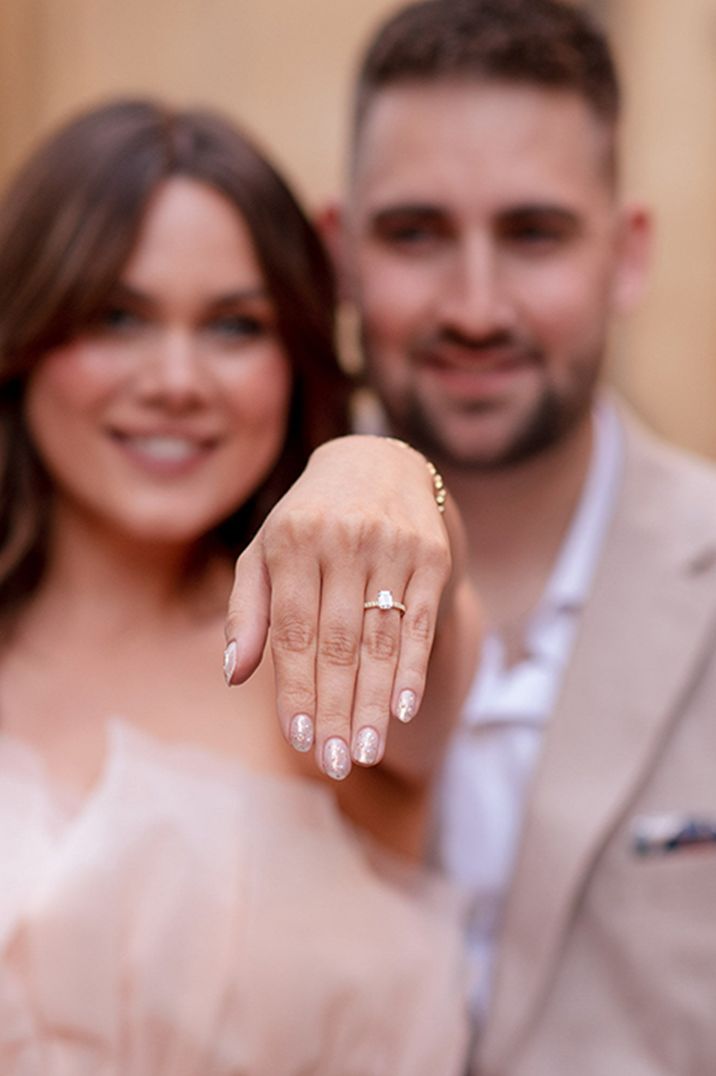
pixel 379 655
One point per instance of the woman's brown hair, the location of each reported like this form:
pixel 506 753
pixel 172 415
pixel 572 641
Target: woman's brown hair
pixel 68 225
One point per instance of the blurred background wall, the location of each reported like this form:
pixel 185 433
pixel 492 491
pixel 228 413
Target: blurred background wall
pixel 283 68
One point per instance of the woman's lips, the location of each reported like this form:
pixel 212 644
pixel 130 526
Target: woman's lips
pixel 164 454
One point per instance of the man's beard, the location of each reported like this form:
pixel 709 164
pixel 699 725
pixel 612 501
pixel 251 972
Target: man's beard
pixel 552 418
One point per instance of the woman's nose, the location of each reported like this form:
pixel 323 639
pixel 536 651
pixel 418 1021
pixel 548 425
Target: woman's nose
pixel 173 372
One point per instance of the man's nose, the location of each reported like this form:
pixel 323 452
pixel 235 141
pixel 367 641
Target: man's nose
pixel 476 303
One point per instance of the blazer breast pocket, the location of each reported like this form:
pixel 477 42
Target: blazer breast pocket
pixel 670 872
pixel 673 834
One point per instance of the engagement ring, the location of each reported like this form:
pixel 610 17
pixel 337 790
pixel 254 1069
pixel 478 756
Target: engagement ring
pixel 385 601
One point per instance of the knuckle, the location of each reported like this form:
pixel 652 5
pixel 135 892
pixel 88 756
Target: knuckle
pixel 375 698
pixel 411 542
pixel 338 647
pixel 246 558
pixel 380 644
pixel 376 713
pixel 297 698
pixel 356 534
pixel 288 531
pixel 419 623
pixel 292 634
pixel 332 719
pixel 437 558
pixel 348 534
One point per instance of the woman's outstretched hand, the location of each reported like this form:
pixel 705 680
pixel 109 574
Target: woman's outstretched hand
pixel 360 525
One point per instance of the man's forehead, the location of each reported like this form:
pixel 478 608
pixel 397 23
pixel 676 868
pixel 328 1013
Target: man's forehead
pixel 418 136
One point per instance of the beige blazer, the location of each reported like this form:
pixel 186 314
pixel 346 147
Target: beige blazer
pixel 607 960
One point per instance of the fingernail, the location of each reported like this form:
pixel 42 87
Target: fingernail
pixel 366 746
pixel 230 661
pixel 336 759
pixel 407 705
pixel 300 732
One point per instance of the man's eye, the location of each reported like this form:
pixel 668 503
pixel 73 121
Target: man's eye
pixel 539 233
pixel 409 236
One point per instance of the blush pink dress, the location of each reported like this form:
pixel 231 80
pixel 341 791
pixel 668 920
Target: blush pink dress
pixel 191 919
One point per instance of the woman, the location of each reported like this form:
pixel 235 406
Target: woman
pixel 177 895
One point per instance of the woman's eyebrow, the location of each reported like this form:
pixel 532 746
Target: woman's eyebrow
pixel 240 295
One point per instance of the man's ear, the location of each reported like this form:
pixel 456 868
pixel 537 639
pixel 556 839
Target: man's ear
pixel 634 256
pixel 330 222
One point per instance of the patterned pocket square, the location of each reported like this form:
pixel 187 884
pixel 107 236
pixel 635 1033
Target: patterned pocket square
pixel 657 834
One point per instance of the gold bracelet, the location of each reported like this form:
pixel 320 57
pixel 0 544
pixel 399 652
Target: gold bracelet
pixel 438 485
pixel 439 491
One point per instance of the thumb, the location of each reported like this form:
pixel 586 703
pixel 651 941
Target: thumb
pixel 248 616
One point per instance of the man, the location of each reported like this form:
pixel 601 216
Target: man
pixel 487 248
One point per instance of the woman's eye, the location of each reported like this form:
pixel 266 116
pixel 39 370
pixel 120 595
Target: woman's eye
pixel 238 327
pixel 118 319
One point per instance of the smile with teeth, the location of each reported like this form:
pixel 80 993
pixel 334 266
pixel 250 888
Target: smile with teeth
pixel 164 448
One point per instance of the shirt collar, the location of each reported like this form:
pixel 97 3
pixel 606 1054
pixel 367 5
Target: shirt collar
pixel 527 691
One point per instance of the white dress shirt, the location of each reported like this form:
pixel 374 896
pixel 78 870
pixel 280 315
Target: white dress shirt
pixel 494 752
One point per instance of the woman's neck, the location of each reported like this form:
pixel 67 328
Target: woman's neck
pixel 99 581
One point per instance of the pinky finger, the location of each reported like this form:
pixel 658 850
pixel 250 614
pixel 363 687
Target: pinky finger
pixel 422 600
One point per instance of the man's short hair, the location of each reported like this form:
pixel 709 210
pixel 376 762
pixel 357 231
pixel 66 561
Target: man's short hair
pixel 544 43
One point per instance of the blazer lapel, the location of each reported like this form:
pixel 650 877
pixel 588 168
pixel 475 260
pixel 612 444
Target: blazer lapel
pixel 639 641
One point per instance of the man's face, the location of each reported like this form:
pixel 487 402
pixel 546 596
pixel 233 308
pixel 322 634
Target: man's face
pixel 486 251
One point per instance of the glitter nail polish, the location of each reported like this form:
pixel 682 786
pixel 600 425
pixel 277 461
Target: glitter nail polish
pixel 300 732
pixel 229 661
pixel 407 705
pixel 336 758
pixel 366 746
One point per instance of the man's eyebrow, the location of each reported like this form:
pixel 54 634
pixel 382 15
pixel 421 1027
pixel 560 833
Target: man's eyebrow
pixel 427 210
pixel 554 210
pixel 389 214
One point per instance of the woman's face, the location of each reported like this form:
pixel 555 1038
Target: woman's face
pixel 166 416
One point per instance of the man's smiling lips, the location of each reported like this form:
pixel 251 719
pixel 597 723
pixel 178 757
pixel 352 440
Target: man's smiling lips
pixel 476 371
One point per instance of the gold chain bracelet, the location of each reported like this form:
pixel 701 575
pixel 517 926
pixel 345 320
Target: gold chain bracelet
pixel 439 491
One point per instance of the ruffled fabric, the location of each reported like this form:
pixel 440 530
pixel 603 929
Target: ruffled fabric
pixel 193 919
